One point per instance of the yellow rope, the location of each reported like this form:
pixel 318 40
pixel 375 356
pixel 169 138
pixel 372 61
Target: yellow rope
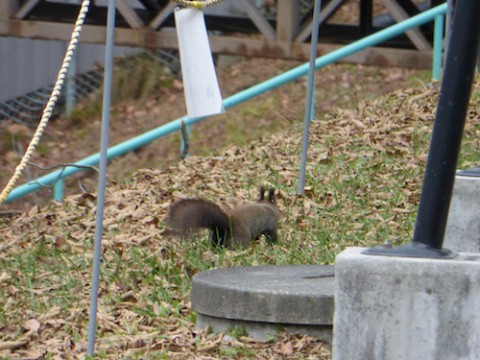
pixel 47 112
pixel 197 4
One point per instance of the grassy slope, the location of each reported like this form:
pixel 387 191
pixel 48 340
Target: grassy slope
pixel 363 184
pixel 68 140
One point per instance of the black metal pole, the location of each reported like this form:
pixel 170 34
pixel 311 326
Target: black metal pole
pixel 446 138
pixel 448 127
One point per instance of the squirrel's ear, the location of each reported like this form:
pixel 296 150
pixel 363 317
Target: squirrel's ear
pixel 262 194
pixel 271 195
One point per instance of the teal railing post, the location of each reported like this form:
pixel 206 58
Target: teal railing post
pixel 58 189
pixel 185 140
pixel 437 48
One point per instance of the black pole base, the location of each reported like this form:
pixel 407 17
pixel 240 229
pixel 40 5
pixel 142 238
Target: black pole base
pixel 473 172
pixel 413 249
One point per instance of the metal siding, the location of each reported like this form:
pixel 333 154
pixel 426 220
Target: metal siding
pixel 27 65
pixel 55 52
pixel 6 61
pixel 22 68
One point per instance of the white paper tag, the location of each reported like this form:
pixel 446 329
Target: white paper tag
pixel 202 93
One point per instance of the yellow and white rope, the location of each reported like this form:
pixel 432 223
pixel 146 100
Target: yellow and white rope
pixel 197 4
pixel 47 112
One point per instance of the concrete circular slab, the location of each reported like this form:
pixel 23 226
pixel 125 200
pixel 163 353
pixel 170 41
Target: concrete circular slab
pixel 258 296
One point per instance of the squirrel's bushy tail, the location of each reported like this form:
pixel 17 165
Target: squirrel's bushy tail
pixel 187 215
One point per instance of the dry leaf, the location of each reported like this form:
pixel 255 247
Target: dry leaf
pixel 286 349
pixel 4 277
pixel 12 345
pixel 60 242
pixel 32 325
pixel 34 211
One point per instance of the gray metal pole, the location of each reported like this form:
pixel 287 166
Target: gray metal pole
pixel 107 87
pixel 310 94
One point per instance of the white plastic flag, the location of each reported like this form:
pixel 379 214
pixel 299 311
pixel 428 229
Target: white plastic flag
pixel 202 93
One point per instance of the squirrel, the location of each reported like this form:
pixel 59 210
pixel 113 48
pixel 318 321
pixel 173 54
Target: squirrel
pixel 235 228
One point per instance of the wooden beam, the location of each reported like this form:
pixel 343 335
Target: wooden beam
pixel 263 25
pixel 409 6
pixel 325 14
pixel 8 8
pixel 288 20
pixel 150 5
pixel 129 15
pixel 162 15
pixel 26 8
pixel 415 35
pixel 232 45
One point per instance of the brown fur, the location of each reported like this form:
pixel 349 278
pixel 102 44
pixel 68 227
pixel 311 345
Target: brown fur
pixel 237 228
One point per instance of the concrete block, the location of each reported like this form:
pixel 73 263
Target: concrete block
pixel 397 308
pixel 462 232
pixel 263 331
pixel 264 299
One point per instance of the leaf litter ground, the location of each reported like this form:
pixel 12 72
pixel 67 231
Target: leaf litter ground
pixel 364 178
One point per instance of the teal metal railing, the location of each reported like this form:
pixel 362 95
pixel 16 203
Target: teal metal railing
pixel 436 14
pixel 438 46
